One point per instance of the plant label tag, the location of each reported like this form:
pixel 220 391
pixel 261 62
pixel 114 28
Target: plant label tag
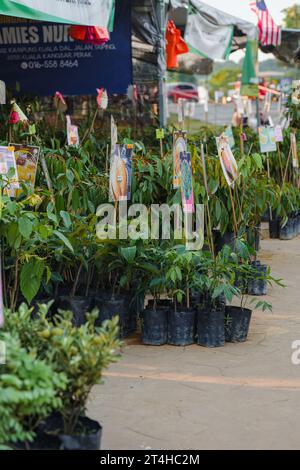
pixel 160 134
pixel 278 134
pixel 2 92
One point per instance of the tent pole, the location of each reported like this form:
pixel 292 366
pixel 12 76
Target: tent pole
pixel 161 20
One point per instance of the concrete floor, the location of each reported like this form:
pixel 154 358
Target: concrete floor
pixel 243 396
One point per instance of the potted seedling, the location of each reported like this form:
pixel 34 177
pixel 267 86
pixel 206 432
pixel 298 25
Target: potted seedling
pixel 154 318
pixel 180 280
pixel 238 318
pixel 30 390
pixel 217 284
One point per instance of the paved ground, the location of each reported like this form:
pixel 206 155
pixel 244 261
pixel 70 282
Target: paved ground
pixel 243 396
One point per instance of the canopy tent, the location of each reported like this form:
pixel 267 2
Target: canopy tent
pixel 91 13
pixel 290 43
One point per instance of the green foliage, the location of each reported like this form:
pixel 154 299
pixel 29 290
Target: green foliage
pixel 78 354
pixel 29 389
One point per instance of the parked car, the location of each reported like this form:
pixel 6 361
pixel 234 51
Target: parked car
pixel 187 91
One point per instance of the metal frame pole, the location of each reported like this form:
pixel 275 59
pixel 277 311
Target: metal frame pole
pixel 161 46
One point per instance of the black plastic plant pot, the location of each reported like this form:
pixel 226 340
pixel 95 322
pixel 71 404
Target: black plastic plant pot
pixel 254 236
pixel 89 437
pixel 42 441
pixel 237 323
pixel 108 309
pixel 287 232
pixel 162 304
pixel 181 327
pixel 258 285
pixel 79 306
pixel 274 228
pixel 154 327
pixel 135 305
pixel 228 238
pixel 211 327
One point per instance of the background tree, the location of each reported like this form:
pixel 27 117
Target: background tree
pixel 292 17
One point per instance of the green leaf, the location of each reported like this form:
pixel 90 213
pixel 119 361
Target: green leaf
pixel 66 218
pixel 25 227
pixel 64 239
pixel 31 278
pixel 128 253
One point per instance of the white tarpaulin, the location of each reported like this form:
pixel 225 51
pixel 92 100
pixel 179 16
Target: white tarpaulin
pixel 210 31
pixel 82 12
pixel 207 39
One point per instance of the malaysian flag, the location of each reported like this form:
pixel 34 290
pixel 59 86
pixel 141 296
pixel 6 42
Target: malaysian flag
pixel 269 32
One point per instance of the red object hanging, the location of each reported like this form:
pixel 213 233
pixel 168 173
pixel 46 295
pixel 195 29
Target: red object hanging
pixel 89 34
pixel 175 45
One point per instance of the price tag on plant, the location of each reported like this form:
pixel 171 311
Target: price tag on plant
pixel 31 129
pixel 160 134
pixel 278 134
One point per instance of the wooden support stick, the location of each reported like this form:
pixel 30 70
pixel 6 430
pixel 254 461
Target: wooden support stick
pixel 269 177
pixel 287 166
pixel 280 160
pixel 161 149
pixel 234 213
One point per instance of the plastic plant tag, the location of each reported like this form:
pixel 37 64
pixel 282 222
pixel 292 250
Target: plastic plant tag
pixel 278 134
pixel 160 134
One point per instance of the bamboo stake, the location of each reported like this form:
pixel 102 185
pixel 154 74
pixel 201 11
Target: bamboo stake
pixel 269 177
pixel 287 166
pixel 207 202
pixel 280 160
pixel 234 213
pixel 106 161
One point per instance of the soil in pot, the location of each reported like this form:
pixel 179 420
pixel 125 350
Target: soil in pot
pixel 80 306
pixel 210 326
pixel 181 327
pixel 258 286
pixel 154 326
pixel 237 323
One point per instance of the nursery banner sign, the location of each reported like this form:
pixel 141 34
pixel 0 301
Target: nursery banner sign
pixel 42 58
pixel 83 12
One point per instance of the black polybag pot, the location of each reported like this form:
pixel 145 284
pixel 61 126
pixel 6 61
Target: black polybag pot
pixel 42 441
pixel 287 232
pixel 181 327
pixel 162 304
pixel 258 286
pixel 274 228
pixel 228 238
pixel 237 323
pixel 154 327
pixel 134 307
pixel 87 434
pixel 110 308
pixel 254 236
pixel 90 440
pixel 211 327
pixel 79 306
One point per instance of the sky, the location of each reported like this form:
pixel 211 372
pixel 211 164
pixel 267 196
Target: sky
pixel 241 9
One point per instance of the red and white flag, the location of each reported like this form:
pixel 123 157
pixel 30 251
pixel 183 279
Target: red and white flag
pixel 269 32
